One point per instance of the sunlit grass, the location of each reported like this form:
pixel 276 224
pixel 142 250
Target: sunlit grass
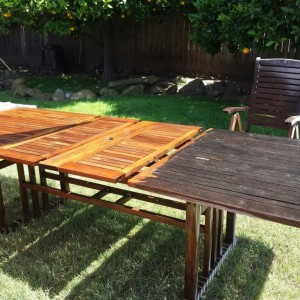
pixel 79 251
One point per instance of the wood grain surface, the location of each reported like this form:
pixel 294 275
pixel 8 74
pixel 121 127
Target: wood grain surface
pixel 120 154
pixel 24 123
pixel 32 151
pixel 239 172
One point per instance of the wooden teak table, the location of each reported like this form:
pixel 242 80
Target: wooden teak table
pixel 22 124
pixel 238 172
pixel 111 150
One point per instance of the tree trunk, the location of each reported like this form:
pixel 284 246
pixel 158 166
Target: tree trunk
pixel 107 28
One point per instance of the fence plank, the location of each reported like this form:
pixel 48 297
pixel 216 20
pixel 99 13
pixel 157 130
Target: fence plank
pixel 159 45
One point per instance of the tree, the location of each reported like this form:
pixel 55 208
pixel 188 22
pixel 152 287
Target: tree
pixel 241 24
pixel 74 17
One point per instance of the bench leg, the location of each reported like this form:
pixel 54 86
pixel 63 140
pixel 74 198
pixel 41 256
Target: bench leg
pixel 192 251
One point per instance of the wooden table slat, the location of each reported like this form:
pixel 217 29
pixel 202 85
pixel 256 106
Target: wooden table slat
pixel 126 152
pixel 21 124
pixel 52 144
pixel 240 172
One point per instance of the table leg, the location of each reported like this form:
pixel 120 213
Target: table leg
pixel 230 228
pixel 207 242
pixel 215 237
pixel 2 213
pixel 220 234
pixel 45 196
pixel 64 186
pixel 23 192
pixel 34 194
pixel 215 249
pixel 192 251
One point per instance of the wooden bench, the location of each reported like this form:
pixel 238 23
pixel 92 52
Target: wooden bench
pixel 275 97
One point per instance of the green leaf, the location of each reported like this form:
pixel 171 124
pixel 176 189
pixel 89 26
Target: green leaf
pixel 251 32
pixel 270 43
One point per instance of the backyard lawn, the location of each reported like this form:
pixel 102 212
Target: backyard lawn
pixel 79 251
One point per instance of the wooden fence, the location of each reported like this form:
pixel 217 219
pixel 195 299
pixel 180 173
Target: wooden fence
pixel 156 46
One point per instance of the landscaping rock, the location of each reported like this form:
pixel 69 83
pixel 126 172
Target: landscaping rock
pixel 46 96
pixel 172 89
pixel 214 88
pixel 245 86
pixel 68 95
pixel 6 84
pixel 9 75
pixel 35 93
pixel 232 91
pixel 134 81
pixel 177 79
pixel 106 92
pixel 84 94
pixel 194 88
pixel 155 90
pixel 17 82
pixel 134 90
pixel 58 95
pixel 151 79
pixel 20 90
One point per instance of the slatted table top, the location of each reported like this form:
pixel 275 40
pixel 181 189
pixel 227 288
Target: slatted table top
pixel 246 173
pixel 115 156
pixel 26 123
pixel 104 148
pixel 32 151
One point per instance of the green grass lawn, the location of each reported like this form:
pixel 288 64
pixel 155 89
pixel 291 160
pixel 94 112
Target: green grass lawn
pixel 83 252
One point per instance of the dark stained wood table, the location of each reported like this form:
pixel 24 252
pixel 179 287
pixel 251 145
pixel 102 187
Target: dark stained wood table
pixel 243 173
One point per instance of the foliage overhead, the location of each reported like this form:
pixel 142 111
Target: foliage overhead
pixel 241 24
pixel 65 17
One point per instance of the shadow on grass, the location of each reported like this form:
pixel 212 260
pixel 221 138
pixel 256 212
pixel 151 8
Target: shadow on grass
pixel 148 266
pixel 79 251
pixel 10 191
pixel 151 266
pixel 64 247
pixel 243 273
